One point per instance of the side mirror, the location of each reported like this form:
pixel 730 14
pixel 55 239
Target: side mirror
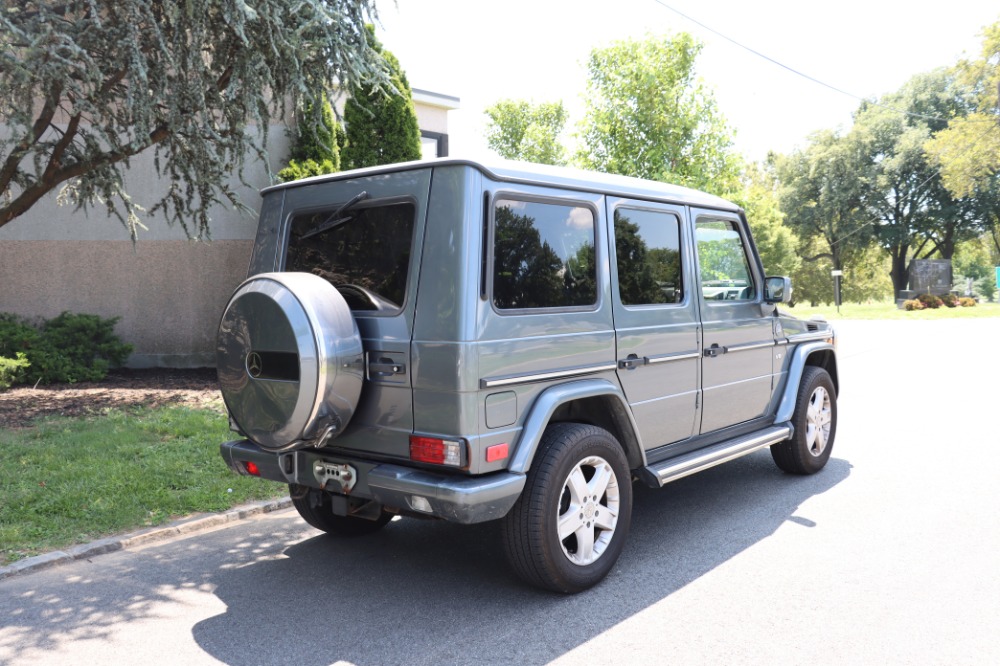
pixel 777 290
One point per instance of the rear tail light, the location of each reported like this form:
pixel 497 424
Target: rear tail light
pixel 436 451
pixel 251 468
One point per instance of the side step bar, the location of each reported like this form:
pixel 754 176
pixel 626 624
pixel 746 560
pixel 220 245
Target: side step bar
pixel 662 473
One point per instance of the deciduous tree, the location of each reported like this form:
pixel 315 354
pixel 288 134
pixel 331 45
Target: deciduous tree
pixel 776 243
pixel 647 115
pixel 521 130
pixel 915 215
pixel 968 149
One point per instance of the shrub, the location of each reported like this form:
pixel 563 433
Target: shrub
pixel 930 301
pixel 987 287
pixel 913 305
pixel 951 300
pixel 297 170
pixel 11 368
pixel 67 348
pixel 967 302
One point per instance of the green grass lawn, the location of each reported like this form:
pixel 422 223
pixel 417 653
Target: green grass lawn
pixel 889 310
pixel 71 480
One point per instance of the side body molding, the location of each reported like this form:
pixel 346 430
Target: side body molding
pixel 549 401
pixel 799 361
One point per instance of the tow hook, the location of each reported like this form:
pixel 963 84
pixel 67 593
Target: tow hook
pixel 345 475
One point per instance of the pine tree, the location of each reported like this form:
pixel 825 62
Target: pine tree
pixel 381 124
pixel 316 150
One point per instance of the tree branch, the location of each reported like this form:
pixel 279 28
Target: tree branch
pixel 41 123
pixel 30 196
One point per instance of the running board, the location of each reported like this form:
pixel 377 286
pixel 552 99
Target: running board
pixel 662 473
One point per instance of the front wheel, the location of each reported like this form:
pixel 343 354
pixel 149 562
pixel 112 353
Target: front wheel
pixel 315 508
pixel 569 526
pixel 815 423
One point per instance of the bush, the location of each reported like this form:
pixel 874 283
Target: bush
pixel 987 287
pixel 68 348
pixel 930 301
pixel 297 170
pixel 967 302
pixel 11 368
pixel 951 300
pixel 913 305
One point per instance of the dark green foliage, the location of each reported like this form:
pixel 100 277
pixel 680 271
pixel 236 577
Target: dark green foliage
pixel 316 150
pixel 381 124
pixel 68 348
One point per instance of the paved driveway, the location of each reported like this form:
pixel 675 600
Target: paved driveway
pixel 889 556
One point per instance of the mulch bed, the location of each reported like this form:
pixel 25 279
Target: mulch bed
pixel 21 405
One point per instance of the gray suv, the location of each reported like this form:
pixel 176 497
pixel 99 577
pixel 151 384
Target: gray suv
pixel 515 343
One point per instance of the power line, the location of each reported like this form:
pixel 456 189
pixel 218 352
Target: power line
pixel 793 70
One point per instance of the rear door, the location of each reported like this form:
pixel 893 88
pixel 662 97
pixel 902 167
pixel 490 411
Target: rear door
pixel 736 363
pixel 655 309
pixel 371 255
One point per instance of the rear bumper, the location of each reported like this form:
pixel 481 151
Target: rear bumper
pixel 460 499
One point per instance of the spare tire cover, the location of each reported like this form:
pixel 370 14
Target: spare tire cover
pixel 289 359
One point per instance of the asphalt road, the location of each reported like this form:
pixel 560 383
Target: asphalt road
pixel 891 555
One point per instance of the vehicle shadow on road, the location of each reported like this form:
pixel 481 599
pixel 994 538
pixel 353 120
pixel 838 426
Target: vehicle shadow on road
pixel 432 592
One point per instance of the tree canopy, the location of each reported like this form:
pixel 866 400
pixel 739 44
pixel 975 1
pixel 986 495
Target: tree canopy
pixel 647 115
pixel 521 130
pixel 901 191
pixel 968 149
pixel 381 122
pixel 89 84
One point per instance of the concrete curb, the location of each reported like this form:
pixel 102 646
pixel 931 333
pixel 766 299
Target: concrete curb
pixel 188 525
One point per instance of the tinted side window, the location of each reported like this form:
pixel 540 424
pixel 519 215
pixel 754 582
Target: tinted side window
pixel 725 272
pixel 543 255
pixel 366 255
pixel 648 251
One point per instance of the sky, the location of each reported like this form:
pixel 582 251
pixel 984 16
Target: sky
pixel 482 52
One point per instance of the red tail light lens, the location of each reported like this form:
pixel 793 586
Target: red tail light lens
pixel 251 468
pixel 436 451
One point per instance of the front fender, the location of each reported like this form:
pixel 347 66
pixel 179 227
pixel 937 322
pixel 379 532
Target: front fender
pixel 800 359
pixel 550 400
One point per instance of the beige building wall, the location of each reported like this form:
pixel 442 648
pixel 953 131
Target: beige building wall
pixel 168 291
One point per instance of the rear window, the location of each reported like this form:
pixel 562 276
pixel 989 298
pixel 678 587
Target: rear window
pixel 364 253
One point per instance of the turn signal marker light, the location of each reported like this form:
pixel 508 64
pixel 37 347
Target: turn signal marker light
pixel 496 452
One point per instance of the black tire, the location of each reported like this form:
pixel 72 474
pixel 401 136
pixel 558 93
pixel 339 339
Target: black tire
pixel 531 529
pixel 815 423
pixel 314 507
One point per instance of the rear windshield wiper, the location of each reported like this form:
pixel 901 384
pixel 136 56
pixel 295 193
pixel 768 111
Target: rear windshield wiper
pixel 335 220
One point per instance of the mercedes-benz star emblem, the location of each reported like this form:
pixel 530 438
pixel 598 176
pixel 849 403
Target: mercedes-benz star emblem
pixel 254 364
